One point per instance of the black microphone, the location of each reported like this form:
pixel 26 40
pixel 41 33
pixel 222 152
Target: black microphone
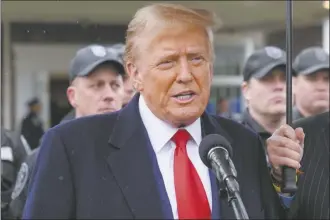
pixel 215 152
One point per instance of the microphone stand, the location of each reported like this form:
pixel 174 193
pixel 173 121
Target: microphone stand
pixel 228 187
pixel 235 200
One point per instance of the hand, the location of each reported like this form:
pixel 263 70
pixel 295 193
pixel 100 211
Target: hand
pixel 285 148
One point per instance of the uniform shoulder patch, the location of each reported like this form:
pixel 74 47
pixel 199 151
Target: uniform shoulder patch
pixel 21 180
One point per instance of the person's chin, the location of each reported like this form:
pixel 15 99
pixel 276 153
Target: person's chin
pixel 278 109
pixel 106 110
pixel 321 106
pixel 187 115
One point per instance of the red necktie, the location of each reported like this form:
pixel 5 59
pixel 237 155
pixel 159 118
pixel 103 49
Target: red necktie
pixel 191 198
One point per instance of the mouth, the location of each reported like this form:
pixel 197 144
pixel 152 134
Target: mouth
pixel 106 110
pixel 184 97
pixel 278 99
pixel 322 96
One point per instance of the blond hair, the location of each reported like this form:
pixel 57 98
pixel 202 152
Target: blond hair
pixel 153 15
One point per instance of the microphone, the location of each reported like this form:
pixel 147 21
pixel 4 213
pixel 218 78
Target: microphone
pixel 215 152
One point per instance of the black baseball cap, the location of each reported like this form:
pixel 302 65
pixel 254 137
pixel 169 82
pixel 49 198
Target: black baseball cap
pixel 89 58
pixel 311 60
pixel 33 101
pixel 263 61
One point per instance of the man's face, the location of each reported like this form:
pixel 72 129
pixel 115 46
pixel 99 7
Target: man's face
pixel 128 91
pixel 173 73
pixel 312 91
pixel 100 92
pixel 36 108
pixel 267 95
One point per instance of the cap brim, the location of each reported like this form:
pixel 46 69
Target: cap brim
pixel 314 69
pixel 93 66
pixel 267 69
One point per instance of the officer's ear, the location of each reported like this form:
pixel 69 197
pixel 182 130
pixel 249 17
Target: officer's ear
pixel 245 90
pixel 72 95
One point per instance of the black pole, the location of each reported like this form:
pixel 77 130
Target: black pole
pixel 289 174
pixel 237 203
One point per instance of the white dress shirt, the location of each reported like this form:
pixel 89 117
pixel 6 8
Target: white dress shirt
pixel 160 134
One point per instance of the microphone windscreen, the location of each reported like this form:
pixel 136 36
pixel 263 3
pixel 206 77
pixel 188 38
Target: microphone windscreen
pixel 210 141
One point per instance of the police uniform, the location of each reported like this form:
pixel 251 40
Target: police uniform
pixel 258 65
pixel 91 57
pixel 8 171
pixel 32 127
pixel 249 122
pixel 19 194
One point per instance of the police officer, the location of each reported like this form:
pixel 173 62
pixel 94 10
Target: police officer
pixel 311 84
pixel 8 171
pixel 32 126
pixel 12 154
pixel 96 87
pixel 264 91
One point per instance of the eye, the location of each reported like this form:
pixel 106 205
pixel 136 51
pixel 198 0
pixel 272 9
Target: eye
pixel 197 59
pixel 166 64
pixel 115 86
pixel 311 77
pixel 97 85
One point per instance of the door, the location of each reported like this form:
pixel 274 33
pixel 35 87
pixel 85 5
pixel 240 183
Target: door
pixel 59 104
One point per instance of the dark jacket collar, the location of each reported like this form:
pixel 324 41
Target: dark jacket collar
pixel 253 124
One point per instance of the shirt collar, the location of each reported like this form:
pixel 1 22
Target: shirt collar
pixel 160 132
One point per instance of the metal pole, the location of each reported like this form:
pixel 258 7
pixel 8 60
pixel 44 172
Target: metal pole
pixel 289 174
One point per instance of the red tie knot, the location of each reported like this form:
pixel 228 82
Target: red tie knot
pixel 181 138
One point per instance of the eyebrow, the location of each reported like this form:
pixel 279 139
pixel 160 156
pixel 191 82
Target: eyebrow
pixel 115 80
pixel 190 52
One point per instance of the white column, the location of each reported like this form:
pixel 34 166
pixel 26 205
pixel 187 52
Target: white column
pixel 253 42
pixel 326 34
pixel 42 91
pixel 7 78
pixel 250 46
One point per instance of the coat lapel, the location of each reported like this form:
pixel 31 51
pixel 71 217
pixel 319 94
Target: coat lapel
pixel 211 126
pixel 131 164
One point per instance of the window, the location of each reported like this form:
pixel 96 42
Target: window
pixel 228 59
pixel 67 33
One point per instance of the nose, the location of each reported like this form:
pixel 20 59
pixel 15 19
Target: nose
pixel 321 85
pixel 184 71
pixel 279 83
pixel 109 94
